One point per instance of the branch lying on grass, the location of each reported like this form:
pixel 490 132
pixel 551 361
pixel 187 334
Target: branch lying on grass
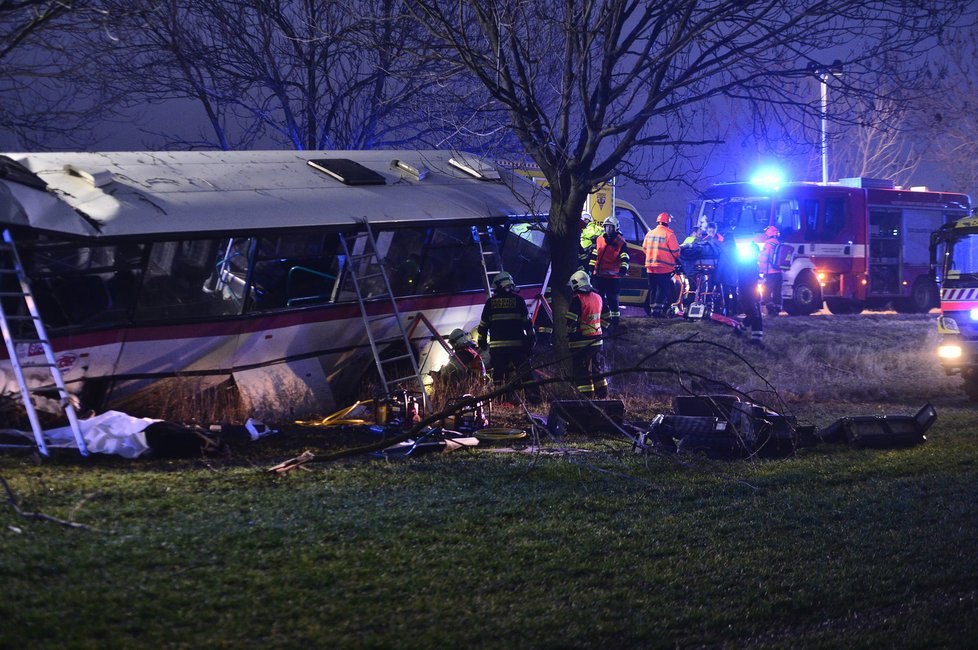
pixel 12 500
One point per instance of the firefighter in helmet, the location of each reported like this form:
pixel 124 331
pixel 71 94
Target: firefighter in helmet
pixel 661 250
pixel 466 359
pixel 586 315
pixel 772 273
pixel 609 263
pixel 505 330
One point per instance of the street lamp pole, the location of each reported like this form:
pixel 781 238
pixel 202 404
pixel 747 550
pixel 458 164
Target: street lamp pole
pixel 823 73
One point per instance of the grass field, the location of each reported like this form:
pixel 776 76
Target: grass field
pixel 579 544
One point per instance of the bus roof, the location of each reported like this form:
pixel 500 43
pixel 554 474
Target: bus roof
pixel 111 194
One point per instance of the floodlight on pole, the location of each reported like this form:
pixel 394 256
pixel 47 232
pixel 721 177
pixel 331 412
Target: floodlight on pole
pixel 823 72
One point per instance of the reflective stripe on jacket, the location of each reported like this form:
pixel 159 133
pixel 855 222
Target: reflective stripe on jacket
pixel 586 315
pixel 661 249
pixel 505 321
pixel 609 259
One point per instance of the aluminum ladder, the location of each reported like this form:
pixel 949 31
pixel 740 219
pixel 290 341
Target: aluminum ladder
pixel 492 261
pixel 365 265
pixel 21 326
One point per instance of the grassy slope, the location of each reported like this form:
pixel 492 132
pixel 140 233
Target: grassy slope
pixel 831 547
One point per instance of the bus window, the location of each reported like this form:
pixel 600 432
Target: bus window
pixel 451 261
pixel 193 278
pixel 84 285
pixel 294 269
pixel 525 254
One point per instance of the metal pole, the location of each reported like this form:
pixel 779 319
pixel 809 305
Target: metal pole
pixel 825 142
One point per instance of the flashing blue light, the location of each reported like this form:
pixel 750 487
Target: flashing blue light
pixel 746 251
pixel 769 179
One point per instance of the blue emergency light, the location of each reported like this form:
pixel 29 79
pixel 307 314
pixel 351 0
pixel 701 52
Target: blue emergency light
pixel 746 250
pixel 768 178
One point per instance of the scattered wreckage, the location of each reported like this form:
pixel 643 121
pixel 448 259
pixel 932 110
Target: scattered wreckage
pixel 717 426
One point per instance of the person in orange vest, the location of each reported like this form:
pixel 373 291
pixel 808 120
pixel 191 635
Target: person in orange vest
pixel 661 250
pixel 586 315
pixel 608 264
pixel 772 274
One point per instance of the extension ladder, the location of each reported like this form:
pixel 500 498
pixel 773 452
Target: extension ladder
pixel 492 262
pixel 365 265
pixel 21 326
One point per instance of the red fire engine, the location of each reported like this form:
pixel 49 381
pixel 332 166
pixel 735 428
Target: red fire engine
pixel 858 242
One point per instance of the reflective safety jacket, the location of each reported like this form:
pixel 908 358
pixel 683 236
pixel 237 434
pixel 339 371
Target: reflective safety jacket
pixel 586 315
pixel 609 259
pixel 766 261
pixel 661 249
pixel 506 322
pixel 589 233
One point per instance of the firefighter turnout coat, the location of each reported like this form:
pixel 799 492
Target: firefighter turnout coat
pixel 506 322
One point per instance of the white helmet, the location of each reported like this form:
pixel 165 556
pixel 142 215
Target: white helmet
pixel 612 221
pixel 459 337
pixel 586 217
pixel 579 280
pixel 503 280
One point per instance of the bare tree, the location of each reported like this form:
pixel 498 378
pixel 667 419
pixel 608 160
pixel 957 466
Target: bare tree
pixel 598 88
pixel 953 112
pixel 307 74
pixel 37 64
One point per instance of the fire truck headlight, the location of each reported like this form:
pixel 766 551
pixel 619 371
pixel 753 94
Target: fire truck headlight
pixel 974 314
pixel 949 351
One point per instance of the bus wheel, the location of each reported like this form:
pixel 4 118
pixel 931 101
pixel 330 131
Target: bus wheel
pixel 923 296
pixel 807 298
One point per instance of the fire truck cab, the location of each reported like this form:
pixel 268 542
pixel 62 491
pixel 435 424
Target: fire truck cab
pixel 858 242
pixel 954 260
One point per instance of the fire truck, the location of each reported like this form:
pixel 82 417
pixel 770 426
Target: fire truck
pixel 954 259
pixel 858 242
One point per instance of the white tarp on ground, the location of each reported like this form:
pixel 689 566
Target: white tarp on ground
pixel 112 432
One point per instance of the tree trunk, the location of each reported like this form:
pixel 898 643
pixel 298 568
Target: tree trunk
pixel 563 238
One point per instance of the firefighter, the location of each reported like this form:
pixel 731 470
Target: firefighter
pixel 770 270
pixel 586 315
pixel 609 263
pixel 505 330
pixel 590 230
pixel 467 360
pixel 661 250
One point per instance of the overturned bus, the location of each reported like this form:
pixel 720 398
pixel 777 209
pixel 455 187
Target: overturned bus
pixel 261 268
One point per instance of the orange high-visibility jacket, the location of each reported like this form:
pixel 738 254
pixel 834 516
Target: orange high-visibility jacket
pixel 661 249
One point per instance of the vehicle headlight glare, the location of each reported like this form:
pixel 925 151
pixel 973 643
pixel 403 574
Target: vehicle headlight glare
pixel 949 351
